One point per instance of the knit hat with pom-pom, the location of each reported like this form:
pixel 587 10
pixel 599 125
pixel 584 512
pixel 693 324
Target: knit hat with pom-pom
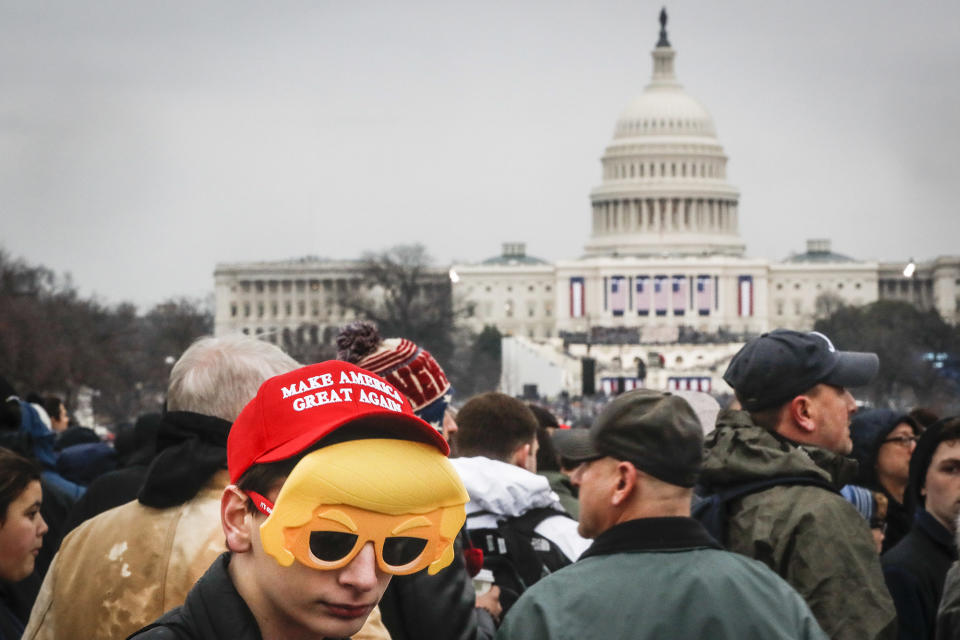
pixel 401 362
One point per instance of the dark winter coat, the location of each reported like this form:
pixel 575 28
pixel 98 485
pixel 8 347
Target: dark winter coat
pixel 213 610
pixel 915 571
pixel 812 537
pixel 409 605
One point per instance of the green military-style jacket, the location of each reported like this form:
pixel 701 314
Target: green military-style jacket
pixel 812 537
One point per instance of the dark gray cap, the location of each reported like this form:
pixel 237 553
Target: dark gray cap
pixel 656 431
pixel 782 364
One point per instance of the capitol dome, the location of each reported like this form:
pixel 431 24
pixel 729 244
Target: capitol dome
pixel 664 189
pixel 664 110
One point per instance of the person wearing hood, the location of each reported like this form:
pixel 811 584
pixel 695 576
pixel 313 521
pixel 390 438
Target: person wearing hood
pixel 498 445
pixel 883 443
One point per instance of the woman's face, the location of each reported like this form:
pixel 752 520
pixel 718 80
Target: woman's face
pixel 21 534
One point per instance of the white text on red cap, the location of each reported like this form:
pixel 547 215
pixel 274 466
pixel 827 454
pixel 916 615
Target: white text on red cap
pixel 341 394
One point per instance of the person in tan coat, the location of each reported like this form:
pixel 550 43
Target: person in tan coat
pixel 123 568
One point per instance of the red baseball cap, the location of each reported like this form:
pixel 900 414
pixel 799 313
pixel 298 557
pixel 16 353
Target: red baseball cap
pixel 293 411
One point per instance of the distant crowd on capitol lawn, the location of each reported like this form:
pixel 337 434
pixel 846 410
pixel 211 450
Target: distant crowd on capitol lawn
pixel 353 498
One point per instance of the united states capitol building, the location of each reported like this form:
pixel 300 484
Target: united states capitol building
pixel 663 294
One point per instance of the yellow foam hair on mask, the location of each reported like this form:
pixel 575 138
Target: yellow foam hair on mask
pixel 403 496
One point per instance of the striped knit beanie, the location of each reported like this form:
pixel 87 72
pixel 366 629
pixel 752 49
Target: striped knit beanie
pixel 402 363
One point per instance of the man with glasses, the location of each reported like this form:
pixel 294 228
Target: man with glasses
pixel 793 435
pixel 335 486
pixel 883 442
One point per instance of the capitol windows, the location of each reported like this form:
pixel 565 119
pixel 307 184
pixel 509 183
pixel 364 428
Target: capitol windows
pixel 272 286
pixel 797 307
pixel 547 288
pixel 286 286
pixel 508 308
pixel 288 308
pixel 548 309
pixel 301 286
pixel 258 286
pixel 273 309
pixel 856 285
pixel 673 169
pixel 779 307
pixel 246 331
pixel 779 286
pixel 314 285
pixel 315 309
pixel 641 169
pixel 796 286
pixel 246 309
pixel 245 286
pixel 259 309
pixel 302 308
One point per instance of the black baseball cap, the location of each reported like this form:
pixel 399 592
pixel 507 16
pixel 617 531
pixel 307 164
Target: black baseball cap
pixel 782 364
pixel 656 431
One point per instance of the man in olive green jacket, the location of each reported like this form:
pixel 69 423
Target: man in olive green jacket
pixel 796 425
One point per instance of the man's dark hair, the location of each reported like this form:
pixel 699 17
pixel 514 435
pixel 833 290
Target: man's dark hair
pixel 265 477
pixel 923 417
pixel 946 430
pixel 544 417
pixel 547 456
pixel 16 472
pixel 494 425
pixel 51 404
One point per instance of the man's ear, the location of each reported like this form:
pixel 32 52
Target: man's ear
pixel 801 410
pixel 626 479
pixel 520 455
pixel 236 520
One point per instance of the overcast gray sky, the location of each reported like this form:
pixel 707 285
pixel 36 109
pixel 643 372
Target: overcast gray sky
pixel 143 142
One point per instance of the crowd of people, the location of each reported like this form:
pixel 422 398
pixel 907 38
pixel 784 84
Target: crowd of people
pixel 352 499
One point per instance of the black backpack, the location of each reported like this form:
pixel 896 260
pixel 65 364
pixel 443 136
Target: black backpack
pixel 516 555
pixel 712 510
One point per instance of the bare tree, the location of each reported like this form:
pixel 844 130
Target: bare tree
pixel 406 297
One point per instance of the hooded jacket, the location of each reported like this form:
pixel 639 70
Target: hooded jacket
pixel 915 571
pixel 868 429
pixel 813 538
pixel 501 489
